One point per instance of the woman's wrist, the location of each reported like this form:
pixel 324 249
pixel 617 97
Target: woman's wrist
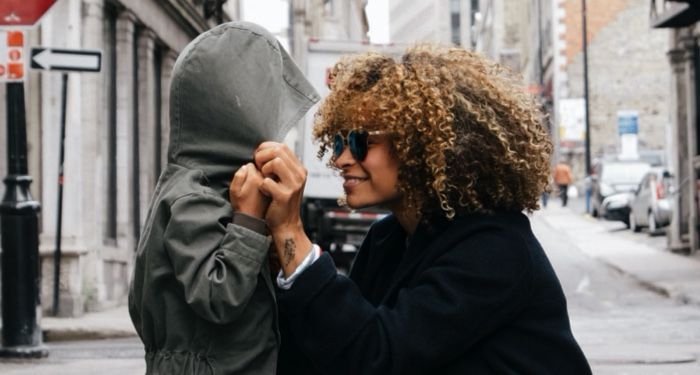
pixel 292 246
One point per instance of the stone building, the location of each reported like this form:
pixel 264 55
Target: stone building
pixel 682 19
pixel 344 20
pixel 117 132
pixel 502 32
pixel 627 71
pixel 443 21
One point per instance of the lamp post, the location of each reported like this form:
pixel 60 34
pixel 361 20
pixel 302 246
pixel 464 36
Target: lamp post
pixel 21 335
pixel 585 89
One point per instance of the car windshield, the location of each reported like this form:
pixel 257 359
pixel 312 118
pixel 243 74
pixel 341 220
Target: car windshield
pixel 624 173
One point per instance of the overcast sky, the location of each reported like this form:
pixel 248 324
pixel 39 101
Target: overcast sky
pixel 274 15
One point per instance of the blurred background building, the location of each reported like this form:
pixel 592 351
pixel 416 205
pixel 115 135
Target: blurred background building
pixel 682 19
pixel 116 135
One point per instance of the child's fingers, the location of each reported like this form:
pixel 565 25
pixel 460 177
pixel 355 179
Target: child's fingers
pixel 239 177
pixel 253 177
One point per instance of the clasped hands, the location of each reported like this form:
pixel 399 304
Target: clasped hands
pixel 271 188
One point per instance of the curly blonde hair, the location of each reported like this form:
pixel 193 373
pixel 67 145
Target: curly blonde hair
pixel 468 136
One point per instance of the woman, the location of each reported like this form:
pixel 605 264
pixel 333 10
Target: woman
pixel 454 281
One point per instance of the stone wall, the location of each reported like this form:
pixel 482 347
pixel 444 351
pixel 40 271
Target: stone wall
pixel 627 69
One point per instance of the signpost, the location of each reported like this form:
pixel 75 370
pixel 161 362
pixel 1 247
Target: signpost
pixel 72 61
pixel 19 225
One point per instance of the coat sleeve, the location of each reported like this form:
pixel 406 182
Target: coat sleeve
pixel 465 294
pixel 216 262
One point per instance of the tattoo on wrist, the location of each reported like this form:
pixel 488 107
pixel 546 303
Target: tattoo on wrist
pixel 289 249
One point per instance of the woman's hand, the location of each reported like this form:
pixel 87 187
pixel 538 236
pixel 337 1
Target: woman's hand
pixel 244 192
pixel 284 178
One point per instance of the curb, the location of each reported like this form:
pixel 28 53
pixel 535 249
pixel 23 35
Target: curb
pixel 83 334
pixel 659 287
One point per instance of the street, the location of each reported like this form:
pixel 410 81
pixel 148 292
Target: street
pixel 108 357
pixel 622 325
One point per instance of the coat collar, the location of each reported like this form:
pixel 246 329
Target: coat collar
pixel 430 235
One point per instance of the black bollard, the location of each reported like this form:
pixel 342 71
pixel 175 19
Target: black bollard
pixel 21 335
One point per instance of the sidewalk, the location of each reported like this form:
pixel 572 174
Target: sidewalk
pixel 113 323
pixel 637 255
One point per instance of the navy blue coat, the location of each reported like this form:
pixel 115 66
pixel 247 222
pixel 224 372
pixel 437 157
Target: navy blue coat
pixel 476 295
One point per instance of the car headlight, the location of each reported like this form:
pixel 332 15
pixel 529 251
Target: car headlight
pixel 606 190
pixel 616 201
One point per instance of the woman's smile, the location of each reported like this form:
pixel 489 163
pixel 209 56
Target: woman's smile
pixel 353 181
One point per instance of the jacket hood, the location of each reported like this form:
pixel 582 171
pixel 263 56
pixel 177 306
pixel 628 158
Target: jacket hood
pixel 233 87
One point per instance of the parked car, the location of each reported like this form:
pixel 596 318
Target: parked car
pixel 613 177
pixel 650 206
pixel 616 207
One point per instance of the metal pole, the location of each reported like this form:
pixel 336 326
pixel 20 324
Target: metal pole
pixel 59 212
pixel 21 335
pixel 585 88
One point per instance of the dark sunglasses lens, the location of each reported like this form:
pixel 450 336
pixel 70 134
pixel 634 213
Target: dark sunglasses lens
pixel 338 145
pixel 358 144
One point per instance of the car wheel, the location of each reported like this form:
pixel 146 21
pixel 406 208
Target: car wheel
pixel 653 227
pixel 633 223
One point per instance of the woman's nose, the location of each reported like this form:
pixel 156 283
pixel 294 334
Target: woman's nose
pixel 345 158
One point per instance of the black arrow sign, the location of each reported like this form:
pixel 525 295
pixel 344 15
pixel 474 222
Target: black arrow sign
pixel 66 59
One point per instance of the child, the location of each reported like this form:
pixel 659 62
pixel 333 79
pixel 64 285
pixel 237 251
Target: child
pixel 201 297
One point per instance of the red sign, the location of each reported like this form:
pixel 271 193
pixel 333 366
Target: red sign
pixel 23 12
pixel 12 59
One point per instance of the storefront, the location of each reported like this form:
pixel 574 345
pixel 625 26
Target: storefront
pixel 683 17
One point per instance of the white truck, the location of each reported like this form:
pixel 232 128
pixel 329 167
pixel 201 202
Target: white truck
pixel 336 229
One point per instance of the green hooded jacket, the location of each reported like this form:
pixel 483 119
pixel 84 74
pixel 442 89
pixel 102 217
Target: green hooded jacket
pixel 201 297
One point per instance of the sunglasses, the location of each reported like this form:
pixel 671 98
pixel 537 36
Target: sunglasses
pixel 357 140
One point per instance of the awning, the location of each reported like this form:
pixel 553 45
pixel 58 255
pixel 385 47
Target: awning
pixel 679 14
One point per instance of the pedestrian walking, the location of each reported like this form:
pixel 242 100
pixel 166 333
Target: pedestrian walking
pixel 453 281
pixel 202 297
pixel 562 177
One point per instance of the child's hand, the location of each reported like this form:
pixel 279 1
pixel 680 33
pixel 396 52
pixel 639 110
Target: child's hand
pixel 244 192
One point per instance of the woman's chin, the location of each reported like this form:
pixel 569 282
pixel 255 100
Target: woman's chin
pixel 356 204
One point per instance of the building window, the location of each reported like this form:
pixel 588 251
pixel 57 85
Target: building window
pixel 455 27
pixel 110 71
pixel 328 8
pixel 696 68
pixel 157 102
pixel 475 19
pixel 135 192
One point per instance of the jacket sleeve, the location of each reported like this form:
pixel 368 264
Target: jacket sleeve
pixel 216 262
pixel 467 293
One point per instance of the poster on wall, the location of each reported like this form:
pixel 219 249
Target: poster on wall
pixel 628 129
pixel 572 127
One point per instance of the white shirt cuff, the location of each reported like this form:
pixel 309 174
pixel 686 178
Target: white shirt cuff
pixel 286 283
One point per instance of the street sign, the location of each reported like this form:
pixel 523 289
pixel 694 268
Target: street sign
pixel 23 12
pixel 12 59
pixel 75 60
pixel 627 122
